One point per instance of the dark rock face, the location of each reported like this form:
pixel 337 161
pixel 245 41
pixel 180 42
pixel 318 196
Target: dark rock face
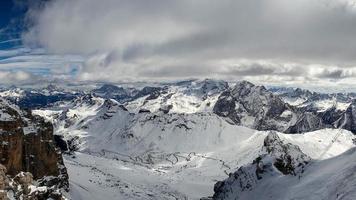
pixel 331 115
pixel 38 100
pixel 144 111
pixel 225 107
pixel 61 143
pixel 305 123
pixel 27 144
pixel 206 87
pixel 278 158
pixel 153 93
pixel 348 118
pixel 11 151
pixel 112 92
pixel 256 107
pixel 123 95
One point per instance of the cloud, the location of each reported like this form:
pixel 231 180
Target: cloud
pixel 299 41
pixel 18 77
pixel 35 63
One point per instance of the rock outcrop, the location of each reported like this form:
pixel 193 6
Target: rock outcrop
pixel 348 118
pixel 27 145
pixel 277 158
pixel 254 106
pixel 22 186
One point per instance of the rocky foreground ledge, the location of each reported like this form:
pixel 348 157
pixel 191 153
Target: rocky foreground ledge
pixel 22 186
pixel 31 164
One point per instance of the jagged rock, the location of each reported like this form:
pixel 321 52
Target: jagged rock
pixel 153 93
pixel 276 158
pixel 305 123
pixel 289 158
pixel 329 108
pixel 61 143
pixel 23 187
pixel 348 118
pixel 331 115
pixel 109 91
pixel 256 107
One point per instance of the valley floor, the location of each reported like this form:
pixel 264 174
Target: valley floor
pixel 94 177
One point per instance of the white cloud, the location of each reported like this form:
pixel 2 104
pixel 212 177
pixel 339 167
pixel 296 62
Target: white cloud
pixel 18 77
pixel 301 41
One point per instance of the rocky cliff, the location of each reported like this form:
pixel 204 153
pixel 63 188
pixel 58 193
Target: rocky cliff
pixel 255 107
pixel 27 145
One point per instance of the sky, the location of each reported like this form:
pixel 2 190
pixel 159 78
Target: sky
pixel 307 43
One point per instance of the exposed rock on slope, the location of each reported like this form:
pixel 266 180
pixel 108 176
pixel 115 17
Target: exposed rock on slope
pixel 276 158
pixel 113 92
pixel 256 107
pixel 348 118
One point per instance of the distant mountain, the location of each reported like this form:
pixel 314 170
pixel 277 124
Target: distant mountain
pixel 182 97
pixel 37 98
pixel 334 109
pixel 255 107
pixel 112 92
pixel 290 110
pixel 313 100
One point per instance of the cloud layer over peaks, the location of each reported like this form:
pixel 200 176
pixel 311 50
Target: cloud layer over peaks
pixel 302 40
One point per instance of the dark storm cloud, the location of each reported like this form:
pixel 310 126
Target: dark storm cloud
pixel 258 69
pixel 335 73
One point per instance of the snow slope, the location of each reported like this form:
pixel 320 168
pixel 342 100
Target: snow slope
pixel 332 178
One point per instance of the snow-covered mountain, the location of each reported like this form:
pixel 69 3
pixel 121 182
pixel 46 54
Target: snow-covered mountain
pixel 177 140
pixel 28 98
pixel 182 97
pixel 255 107
pixel 314 101
pixel 284 165
pixel 334 109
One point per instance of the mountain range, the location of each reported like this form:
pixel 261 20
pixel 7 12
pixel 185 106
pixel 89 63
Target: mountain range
pixel 195 139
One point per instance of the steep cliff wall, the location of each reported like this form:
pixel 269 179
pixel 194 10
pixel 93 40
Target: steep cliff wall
pixel 27 144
